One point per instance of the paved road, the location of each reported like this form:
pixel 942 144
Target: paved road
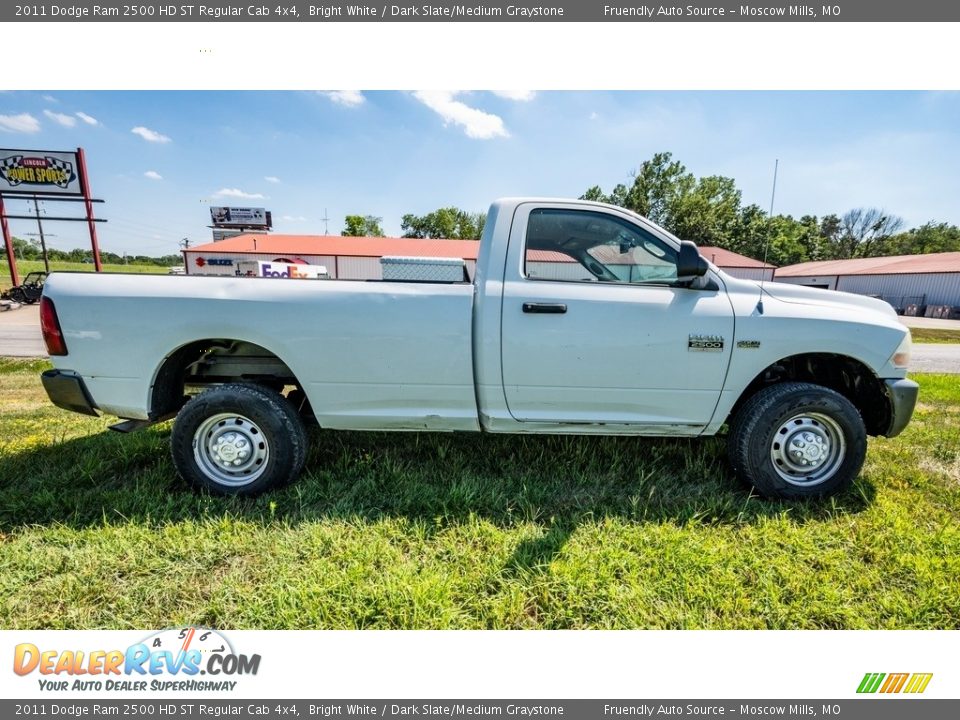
pixel 21 341
pixel 20 332
pixel 924 322
pixel 928 357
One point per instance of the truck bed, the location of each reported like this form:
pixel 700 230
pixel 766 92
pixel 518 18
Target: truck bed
pixel 382 354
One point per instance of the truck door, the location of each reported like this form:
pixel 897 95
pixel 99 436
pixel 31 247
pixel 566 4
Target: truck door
pixel 595 328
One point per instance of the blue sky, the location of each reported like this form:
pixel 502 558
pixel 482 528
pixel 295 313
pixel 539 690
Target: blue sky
pixel 160 159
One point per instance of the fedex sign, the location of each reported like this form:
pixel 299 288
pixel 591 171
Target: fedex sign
pixel 283 271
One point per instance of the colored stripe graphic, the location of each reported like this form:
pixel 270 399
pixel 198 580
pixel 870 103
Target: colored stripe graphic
pixel 918 682
pixel 870 682
pixel 894 683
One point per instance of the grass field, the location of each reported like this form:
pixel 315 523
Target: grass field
pixel 935 335
pixel 440 531
pixel 28 266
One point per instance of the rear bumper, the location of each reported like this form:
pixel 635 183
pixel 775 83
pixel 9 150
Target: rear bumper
pixel 67 391
pixel 902 396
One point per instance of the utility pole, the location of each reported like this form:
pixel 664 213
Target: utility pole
pixel 43 242
pixel 326 222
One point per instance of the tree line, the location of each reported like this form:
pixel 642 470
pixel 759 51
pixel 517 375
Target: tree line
pixel 31 250
pixel 449 223
pixel 710 211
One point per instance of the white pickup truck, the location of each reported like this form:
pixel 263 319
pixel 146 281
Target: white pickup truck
pixel 582 318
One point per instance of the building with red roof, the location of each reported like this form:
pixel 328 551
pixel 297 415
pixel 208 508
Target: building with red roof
pixel 358 258
pixel 901 280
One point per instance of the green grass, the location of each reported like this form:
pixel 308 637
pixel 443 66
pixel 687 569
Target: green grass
pixel 28 266
pixel 935 335
pixel 444 531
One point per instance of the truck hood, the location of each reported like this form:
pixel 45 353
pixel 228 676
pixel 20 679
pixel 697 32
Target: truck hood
pixel 829 298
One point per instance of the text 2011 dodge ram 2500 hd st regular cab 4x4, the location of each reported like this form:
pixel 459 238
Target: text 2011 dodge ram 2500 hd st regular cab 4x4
pixel 582 318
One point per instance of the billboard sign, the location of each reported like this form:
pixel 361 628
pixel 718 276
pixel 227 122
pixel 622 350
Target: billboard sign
pixel 39 172
pixel 240 217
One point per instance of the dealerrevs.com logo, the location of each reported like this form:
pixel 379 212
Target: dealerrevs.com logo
pixel 179 659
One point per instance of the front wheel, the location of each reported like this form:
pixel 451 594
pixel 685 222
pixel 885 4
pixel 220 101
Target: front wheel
pixel 238 440
pixel 797 440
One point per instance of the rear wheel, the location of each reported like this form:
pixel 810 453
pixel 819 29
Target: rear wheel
pixel 238 440
pixel 797 440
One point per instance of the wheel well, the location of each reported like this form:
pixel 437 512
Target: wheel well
pixel 847 376
pixel 212 361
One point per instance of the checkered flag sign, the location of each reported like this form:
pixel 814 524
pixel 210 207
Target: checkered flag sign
pixel 9 164
pixel 42 171
pixel 66 174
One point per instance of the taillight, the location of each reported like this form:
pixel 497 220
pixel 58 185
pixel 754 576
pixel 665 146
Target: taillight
pixel 50 327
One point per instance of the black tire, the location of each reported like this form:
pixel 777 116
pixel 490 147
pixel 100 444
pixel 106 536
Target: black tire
pixel 256 428
pixel 769 435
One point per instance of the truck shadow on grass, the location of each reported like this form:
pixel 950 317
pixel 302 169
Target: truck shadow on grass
pixel 435 480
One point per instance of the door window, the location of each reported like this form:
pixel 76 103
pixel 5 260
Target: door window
pixel 588 246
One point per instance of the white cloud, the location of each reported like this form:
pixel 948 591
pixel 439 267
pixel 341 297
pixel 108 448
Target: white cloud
pixel 347 98
pixel 153 175
pixel 293 218
pixel 23 123
pixel 61 119
pixel 150 135
pixel 519 95
pixel 271 179
pixel 89 120
pixel 237 193
pixel 50 98
pixel 594 116
pixel 476 123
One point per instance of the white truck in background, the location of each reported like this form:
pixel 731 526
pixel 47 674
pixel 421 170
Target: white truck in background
pixel 644 337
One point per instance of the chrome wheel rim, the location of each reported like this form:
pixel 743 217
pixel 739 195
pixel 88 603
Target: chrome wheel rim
pixel 808 449
pixel 230 449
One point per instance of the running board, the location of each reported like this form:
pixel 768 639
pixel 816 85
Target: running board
pixel 129 426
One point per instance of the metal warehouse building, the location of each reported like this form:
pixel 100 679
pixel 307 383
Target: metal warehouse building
pixel 358 258
pixel 901 280
pixel 739 266
pixel 346 258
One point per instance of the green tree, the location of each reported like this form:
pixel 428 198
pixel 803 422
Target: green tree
pixel 782 239
pixel 705 210
pixel 709 211
pixel 26 249
pixel 860 232
pixel 450 223
pixel 931 237
pixel 362 226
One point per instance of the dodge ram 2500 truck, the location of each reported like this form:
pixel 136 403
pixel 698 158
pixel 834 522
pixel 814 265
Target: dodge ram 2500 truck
pixel 581 318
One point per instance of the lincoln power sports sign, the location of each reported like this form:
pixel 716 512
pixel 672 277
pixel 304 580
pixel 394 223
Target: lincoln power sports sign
pixel 41 172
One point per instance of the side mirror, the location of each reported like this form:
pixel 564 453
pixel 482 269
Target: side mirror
pixel 690 264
